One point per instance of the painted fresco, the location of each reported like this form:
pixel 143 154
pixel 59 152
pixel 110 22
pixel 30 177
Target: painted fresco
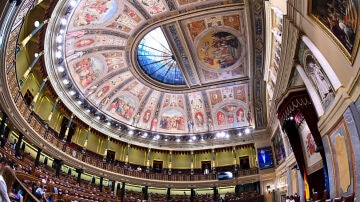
pixel 123 106
pixel 172 120
pixel 127 20
pixel 341 19
pixel 99 90
pixel 149 112
pixel 195 28
pixel 232 21
pixel 95 12
pixel 173 100
pixel 137 89
pixel 198 111
pixel 87 70
pixel 80 42
pixel 228 106
pixel 316 75
pixel 153 7
pixel 279 148
pixel 219 50
pixel 114 61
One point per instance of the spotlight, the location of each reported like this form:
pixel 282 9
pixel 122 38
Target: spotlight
pixel 193 138
pixel 145 135
pixel 36 23
pixel 178 140
pixel 131 132
pixel 72 92
pixel 247 131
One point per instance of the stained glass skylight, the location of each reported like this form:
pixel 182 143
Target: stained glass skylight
pixel 157 60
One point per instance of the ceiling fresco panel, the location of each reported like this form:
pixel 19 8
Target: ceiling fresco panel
pixel 220 43
pixel 229 106
pixel 154 7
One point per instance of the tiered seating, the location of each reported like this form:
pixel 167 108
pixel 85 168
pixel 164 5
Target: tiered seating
pixel 68 188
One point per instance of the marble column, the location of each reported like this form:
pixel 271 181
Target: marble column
pixel 53 110
pixel 289 182
pixel 301 186
pixel 36 97
pixel 68 125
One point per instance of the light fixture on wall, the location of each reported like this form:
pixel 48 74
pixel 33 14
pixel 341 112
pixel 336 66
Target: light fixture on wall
pixel 270 188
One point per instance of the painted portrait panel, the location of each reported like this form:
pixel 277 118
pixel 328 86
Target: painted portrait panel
pixel 279 148
pixel 341 19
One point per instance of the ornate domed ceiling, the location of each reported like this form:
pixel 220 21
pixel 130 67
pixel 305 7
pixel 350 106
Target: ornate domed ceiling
pixel 167 68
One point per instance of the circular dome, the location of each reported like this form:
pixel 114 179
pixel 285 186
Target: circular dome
pixel 157 60
pixel 126 73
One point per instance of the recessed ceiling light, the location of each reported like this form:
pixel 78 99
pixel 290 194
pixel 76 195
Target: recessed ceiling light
pixel 59 39
pixel 72 3
pixel 61 68
pixel 58 54
pixel 65 81
pixel 63 21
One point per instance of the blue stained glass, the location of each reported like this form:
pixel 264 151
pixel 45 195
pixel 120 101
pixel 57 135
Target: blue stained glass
pixel 157 60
